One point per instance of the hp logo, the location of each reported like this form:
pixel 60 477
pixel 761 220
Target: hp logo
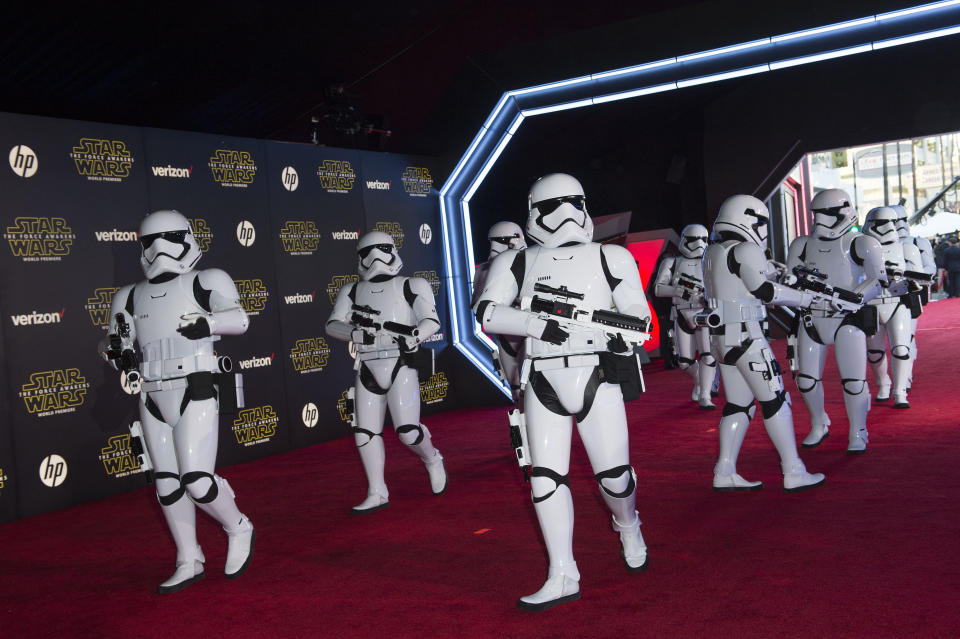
pixel 290 178
pixel 23 161
pixel 53 470
pixel 246 234
pixel 426 233
pixel 310 415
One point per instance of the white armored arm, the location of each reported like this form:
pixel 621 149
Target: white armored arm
pixel 793 256
pixel 750 265
pixel 217 294
pixel 338 325
pixel 867 249
pixel 626 286
pixel 479 282
pixel 663 287
pixel 420 297
pixel 494 308
pixel 926 255
pixel 118 326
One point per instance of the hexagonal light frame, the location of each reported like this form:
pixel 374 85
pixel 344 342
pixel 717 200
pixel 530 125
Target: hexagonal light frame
pixel 871 33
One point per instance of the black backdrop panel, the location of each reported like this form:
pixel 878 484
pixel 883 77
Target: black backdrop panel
pixel 282 219
pixel 317 215
pixel 400 199
pixel 220 184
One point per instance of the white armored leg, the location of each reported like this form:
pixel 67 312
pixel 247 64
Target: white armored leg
pixel 707 371
pixel 404 402
pixel 898 331
pixel 737 413
pixel 368 435
pixel 549 443
pixel 877 358
pixel 810 357
pixel 686 357
pixel 850 350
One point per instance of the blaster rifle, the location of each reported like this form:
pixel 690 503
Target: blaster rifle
pixel 363 316
pixel 632 329
pixel 813 281
pixel 121 351
pixel 692 285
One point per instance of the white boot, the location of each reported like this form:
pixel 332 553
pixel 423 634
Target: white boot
pixel 438 474
pixel 373 456
pixel 900 400
pixel 818 433
pixel 726 479
pixel 695 395
pixel 796 477
pixel 883 391
pixel 372 503
pixel 858 441
pixel 562 586
pixel 634 550
pixel 239 548
pixel 189 570
pixel 706 403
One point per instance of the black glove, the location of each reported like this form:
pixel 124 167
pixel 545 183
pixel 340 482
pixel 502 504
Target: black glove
pixel 553 333
pixel 198 330
pixel 618 344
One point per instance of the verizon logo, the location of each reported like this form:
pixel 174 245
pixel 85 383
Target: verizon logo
pixel 299 298
pixel 116 236
pixel 346 235
pixel 378 185
pixel 256 362
pixel 171 171
pixel 35 318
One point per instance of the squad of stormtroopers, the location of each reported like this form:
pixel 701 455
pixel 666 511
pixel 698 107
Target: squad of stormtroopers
pixel 849 261
pixel 681 278
pixel 387 317
pixel 570 372
pixel 175 317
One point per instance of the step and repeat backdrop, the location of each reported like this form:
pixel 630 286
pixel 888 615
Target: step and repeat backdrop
pixel 282 219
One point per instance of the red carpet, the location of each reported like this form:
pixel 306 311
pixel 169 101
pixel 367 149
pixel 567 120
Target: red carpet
pixel 871 554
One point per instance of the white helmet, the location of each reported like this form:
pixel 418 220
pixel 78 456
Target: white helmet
pixel 881 223
pixel 558 212
pixel 504 236
pixel 903 227
pixel 693 240
pixel 378 258
pixel 745 217
pixel 168 244
pixel 833 215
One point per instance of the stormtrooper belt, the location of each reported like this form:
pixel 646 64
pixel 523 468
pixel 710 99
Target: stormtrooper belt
pixel 178 366
pixel 566 361
pixel 164 385
pixel 384 354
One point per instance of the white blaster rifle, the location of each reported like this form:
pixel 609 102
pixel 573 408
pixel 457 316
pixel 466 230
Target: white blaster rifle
pixel 632 329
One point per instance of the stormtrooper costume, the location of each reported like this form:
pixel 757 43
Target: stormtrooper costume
pixel 175 316
pixel 927 265
pixel 893 309
pixel 567 373
pixel 503 236
pixel 687 303
pixel 737 285
pixel 388 364
pixel 850 261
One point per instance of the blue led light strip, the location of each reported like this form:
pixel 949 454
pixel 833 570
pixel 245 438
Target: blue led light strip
pixel 828 42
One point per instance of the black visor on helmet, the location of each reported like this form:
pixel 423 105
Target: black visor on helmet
pixel 365 251
pixel 546 207
pixel 834 212
pixel 761 221
pixel 693 239
pixel 505 239
pixel 176 237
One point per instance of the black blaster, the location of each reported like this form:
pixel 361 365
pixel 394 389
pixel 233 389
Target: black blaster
pixel 691 285
pixel 121 351
pixel 813 281
pixel 365 317
pixel 633 329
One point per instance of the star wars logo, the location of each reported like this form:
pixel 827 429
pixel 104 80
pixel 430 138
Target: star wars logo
pixel 434 389
pixel 232 168
pixel 310 355
pixel 3 480
pixel 300 237
pixel 417 181
pixel 432 278
pixel 337 283
pixel 345 414
pixel 336 176
pixel 202 233
pixel 54 392
pixel 40 239
pixel 99 306
pixel 255 425
pixel 253 295
pixel 118 458
pixel 393 229
pixel 102 160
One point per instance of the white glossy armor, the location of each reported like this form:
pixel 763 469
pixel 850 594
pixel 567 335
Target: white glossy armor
pixel 833 213
pixel 558 212
pixel 687 302
pixel 927 264
pixel 854 262
pixel 377 257
pixel 564 382
pixel 736 284
pixel 386 375
pixel 503 236
pixel 893 313
pixel 175 317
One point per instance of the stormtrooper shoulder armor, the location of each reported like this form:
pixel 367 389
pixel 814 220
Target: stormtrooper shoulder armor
pixel 623 277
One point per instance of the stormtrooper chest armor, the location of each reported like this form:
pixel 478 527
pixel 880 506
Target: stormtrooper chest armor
pixel 580 269
pixel 157 312
pixel 833 259
pixel 389 299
